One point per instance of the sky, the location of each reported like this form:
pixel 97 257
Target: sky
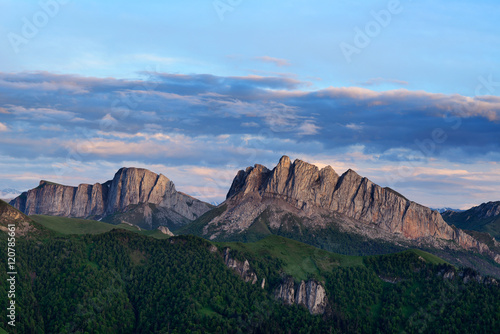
pixel 407 93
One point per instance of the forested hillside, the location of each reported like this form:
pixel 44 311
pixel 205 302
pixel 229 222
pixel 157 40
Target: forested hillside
pixel 122 282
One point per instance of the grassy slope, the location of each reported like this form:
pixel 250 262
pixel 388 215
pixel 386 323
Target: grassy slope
pixel 4 204
pixel 428 257
pixel 66 225
pixel 300 260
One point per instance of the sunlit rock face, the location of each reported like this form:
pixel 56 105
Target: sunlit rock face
pixel 310 192
pixel 130 186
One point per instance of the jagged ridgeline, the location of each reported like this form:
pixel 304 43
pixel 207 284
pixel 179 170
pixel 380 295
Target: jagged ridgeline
pixel 135 196
pixel 482 218
pixel 123 282
pixel 343 213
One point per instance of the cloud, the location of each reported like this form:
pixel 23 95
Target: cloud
pixel 308 128
pixel 45 114
pixel 250 124
pixel 181 117
pixel 47 127
pixel 276 61
pixel 352 126
pixel 3 127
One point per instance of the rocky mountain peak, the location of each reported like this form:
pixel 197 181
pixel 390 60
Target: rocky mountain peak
pixel 487 210
pixel 129 187
pixel 138 185
pixel 284 162
pixel 251 180
pixel 313 194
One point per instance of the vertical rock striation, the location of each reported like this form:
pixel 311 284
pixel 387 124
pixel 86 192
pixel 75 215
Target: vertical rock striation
pixel 130 186
pixel 308 188
pixel 310 294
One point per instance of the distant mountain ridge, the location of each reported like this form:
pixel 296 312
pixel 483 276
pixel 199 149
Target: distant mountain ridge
pixel 481 218
pixel 442 210
pixel 132 192
pixel 9 193
pixel 299 196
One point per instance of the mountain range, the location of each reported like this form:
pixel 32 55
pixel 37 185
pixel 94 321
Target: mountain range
pixel 317 206
pixel 294 199
pixel 442 210
pixel 135 195
pixel 137 277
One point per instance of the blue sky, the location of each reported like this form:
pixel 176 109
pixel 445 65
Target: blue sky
pixel 405 92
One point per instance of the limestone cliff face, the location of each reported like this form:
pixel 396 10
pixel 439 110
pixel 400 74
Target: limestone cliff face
pixel 306 187
pixel 310 294
pixel 310 190
pixel 130 186
pixel 242 268
pixel 58 200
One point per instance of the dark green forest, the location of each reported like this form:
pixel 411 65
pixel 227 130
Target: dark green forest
pixel 122 282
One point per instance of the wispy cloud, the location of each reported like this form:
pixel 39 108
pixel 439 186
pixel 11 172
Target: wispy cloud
pixel 41 113
pixel 381 81
pixel 308 128
pixel 276 61
pixel 353 126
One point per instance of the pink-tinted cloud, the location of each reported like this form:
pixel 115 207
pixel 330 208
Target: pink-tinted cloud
pixel 276 61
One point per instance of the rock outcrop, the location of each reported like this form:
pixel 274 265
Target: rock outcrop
pixel 165 230
pixel 9 216
pixel 130 186
pixel 310 294
pixel 314 193
pixel 467 275
pixel 242 268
